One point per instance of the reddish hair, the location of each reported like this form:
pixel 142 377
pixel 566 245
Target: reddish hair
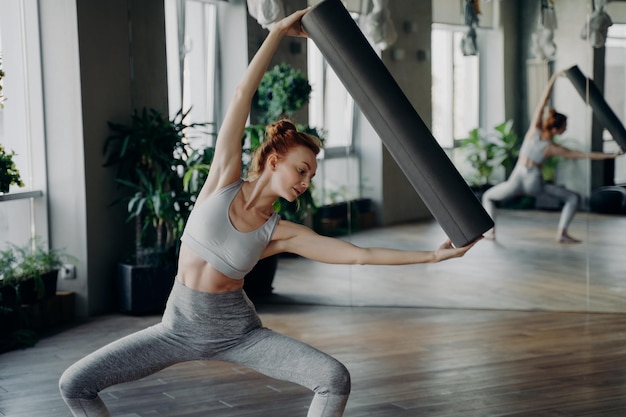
pixel 280 137
pixel 555 120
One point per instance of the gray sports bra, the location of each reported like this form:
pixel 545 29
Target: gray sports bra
pixel 534 147
pixel 210 233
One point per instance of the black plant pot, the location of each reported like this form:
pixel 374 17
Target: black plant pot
pixel 258 282
pixel 144 289
pixel 50 280
pixel 9 314
pixel 28 292
pixel 31 292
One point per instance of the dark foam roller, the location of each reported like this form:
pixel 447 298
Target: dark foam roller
pixel 587 88
pixel 393 117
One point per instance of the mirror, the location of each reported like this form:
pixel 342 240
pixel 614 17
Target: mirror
pixel 525 268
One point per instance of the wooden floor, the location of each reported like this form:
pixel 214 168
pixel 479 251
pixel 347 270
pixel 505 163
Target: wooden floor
pixel 403 362
pixel 476 337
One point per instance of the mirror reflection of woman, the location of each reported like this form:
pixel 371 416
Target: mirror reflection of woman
pixel 233 224
pixel 527 178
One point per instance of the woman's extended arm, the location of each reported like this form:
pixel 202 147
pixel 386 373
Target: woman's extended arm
pixel 226 164
pixel 563 152
pixel 301 240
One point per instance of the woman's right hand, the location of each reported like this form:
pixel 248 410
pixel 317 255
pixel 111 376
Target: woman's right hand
pixel 292 24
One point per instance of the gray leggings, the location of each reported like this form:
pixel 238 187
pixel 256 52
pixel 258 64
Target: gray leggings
pixel 202 326
pixel 529 181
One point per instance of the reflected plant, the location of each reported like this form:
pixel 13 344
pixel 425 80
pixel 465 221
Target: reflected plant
pixel 486 151
pixel 283 91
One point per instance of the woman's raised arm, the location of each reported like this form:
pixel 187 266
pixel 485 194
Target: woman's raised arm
pixel 226 165
pixel 536 121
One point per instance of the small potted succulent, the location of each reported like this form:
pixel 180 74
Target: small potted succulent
pixel 9 174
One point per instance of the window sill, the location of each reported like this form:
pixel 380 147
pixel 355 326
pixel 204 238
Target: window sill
pixel 20 195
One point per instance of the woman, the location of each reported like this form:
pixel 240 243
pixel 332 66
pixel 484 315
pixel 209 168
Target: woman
pixel 233 225
pixel 526 178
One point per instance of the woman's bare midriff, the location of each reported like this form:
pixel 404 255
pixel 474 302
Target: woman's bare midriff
pixel 197 274
pixel 528 163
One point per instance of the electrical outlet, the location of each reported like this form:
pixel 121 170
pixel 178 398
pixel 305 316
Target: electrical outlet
pixel 67 271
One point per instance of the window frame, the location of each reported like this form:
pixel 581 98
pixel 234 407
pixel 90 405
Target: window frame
pixel 22 126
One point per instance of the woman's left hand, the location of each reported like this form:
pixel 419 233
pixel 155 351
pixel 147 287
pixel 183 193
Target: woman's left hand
pixel 448 251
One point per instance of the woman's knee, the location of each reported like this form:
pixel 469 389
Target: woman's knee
pixel 73 385
pixel 574 199
pixel 67 385
pixel 336 379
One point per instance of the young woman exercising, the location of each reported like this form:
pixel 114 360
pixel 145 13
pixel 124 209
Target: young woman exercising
pixel 527 179
pixel 233 225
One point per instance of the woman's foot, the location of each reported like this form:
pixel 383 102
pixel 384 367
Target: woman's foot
pixel 565 238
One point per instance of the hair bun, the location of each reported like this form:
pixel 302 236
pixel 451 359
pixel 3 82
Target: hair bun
pixel 280 127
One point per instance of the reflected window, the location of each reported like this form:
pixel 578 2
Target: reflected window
pixel 192 62
pixel 331 105
pixel 615 96
pixel 331 108
pixel 455 82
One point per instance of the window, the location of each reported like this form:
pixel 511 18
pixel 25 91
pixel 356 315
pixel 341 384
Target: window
pixel 192 51
pixel 615 96
pixel 22 122
pixel 455 92
pixel 332 108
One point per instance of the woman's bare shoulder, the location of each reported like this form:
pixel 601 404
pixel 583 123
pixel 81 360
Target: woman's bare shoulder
pixel 286 229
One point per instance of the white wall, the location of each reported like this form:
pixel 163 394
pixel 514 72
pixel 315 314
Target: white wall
pixel 400 202
pixel 64 138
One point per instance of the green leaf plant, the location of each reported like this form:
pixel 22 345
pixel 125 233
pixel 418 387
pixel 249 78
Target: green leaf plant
pixel 487 151
pixel 153 156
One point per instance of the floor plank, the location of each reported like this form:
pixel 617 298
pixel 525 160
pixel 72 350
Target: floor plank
pixel 403 361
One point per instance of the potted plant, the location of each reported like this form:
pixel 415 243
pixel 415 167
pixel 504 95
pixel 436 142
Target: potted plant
pixel 28 276
pixel 486 151
pixel 31 270
pixel 9 175
pixel 283 90
pixel 343 213
pixel 152 154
